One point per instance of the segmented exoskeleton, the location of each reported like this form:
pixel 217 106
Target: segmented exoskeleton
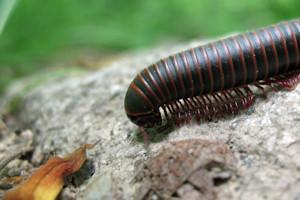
pixel 213 79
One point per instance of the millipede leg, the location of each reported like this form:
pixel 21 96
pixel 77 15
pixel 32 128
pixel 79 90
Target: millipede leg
pixel 165 112
pixel 210 108
pixel 290 81
pixel 262 89
pixel 225 103
pixel 242 100
pixel 219 105
pixel 170 109
pixel 241 97
pixel 202 110
pixel 176 115
pixel 250 97
pixel 205 107
pixel 233 105
pixel 174 111
pixel 187 116
pixel 181 114
pixel 271 82
pixel 193 108
pixel 198 113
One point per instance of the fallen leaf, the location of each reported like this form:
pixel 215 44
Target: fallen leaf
pixel 48 180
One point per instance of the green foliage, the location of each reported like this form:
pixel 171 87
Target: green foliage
pixel 6 6
pixel 39 29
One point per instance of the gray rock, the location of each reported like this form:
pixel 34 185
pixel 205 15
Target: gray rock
pixel 84 109
pixel 100 188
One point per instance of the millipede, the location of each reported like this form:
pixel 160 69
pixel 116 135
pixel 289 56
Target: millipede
pixel 214 79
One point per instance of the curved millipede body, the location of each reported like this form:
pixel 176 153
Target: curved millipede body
pixel 213 79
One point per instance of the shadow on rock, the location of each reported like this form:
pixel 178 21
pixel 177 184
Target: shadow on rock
pixel 156 134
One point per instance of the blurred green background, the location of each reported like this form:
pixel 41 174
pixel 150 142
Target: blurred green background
pixel 38 31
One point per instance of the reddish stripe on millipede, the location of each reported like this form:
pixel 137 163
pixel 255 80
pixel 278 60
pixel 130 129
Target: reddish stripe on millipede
pixel 207 61
pixel 219 64
pixel 149 89
pixel 160 76
pixel 188 70
pixel 237 44
pixel 294 42
pixel 139 91
pixel 274 50
pixel 155 83
pixel 232 68
pixel 198 68
pixel 170 77
pixel 253 57
pixel 179 74
pixel 266 62
pixel 284 47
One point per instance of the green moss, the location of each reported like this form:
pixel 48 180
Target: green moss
pixel 14 104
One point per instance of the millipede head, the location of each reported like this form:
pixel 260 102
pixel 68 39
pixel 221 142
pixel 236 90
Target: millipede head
pixel 140 111
pixel 146 120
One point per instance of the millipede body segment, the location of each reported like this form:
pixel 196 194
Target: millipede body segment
pixel 213 79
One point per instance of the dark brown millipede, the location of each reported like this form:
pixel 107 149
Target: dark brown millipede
pixel 213 79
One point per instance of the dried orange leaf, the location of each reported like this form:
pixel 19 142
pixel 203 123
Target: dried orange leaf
pixel 47 181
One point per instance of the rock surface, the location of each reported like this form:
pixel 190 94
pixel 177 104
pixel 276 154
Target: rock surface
pixel 64 114
pixel 187 169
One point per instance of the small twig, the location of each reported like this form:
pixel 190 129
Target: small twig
pixel 10 158
pixel 95 143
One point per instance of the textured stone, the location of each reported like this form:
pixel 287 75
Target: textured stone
pixel 186 169
pixel 100 188
pixel 67 113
